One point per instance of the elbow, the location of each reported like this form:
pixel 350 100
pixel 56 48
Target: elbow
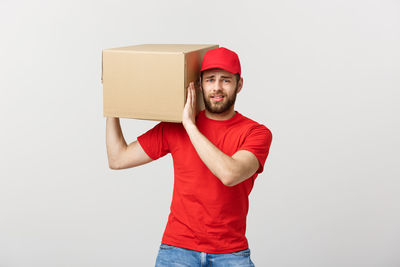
pixel 115 159
pixel 228 183
pixel 112 164
pixel 229 179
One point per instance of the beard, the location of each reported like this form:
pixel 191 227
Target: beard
pixel 222 106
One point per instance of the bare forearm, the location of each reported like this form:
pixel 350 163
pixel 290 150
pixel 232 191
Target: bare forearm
pixel 115 141
pixel 220 164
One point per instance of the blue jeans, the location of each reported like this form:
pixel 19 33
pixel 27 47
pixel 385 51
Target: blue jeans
pixel 171 256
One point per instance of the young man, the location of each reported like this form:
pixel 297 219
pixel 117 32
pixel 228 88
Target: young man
pixel 217 155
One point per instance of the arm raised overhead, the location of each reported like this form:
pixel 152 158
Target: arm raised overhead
pixel 120 155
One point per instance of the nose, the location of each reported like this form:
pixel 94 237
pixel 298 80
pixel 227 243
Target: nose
pixel 217 85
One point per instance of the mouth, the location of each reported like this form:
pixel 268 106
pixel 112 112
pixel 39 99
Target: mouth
pixel 217 98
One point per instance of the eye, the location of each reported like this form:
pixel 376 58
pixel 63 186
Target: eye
pixel 227 81
pixel 210 80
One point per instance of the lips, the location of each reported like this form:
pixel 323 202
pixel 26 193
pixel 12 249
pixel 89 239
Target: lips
pixel 217 98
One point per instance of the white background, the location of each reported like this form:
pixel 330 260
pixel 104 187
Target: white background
pixel 323 76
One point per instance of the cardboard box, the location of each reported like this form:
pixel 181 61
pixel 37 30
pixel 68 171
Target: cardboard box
pixel 150 81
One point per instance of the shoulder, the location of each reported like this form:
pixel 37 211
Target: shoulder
pixel 163 130
pixel 170 126
pixel 254 127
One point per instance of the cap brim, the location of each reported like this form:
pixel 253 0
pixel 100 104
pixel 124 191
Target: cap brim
pixel 219 66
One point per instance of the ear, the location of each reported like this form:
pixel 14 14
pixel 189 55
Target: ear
pixel 240 85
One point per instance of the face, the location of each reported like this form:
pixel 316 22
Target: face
pixel 219 90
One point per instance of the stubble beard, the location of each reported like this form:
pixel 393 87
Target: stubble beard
pixel 218 107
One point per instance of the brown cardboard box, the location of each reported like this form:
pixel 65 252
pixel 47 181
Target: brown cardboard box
pixel 149 81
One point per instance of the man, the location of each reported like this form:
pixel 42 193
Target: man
pixel 217 155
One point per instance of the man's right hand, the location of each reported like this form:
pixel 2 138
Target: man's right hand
pixel 120 155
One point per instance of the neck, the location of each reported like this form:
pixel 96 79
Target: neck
pixel 221 116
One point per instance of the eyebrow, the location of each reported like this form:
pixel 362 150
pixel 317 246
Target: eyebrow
pixel 223 77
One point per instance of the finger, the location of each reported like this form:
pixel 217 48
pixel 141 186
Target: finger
pixel 189 95
pixel 193 95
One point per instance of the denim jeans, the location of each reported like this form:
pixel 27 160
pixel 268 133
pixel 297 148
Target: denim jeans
pixel 171 256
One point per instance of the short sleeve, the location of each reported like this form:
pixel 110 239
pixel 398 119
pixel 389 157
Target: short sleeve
pixel 154 142
pixel 258 142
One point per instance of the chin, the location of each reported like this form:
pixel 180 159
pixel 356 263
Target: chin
pixel 218 110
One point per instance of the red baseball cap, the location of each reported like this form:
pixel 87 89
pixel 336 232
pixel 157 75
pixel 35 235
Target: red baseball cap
pixel 221 58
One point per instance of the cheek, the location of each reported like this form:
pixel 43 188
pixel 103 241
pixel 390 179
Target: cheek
pixel 205 91
pixel 230 89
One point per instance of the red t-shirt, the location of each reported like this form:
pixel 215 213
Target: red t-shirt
pixel 206 215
